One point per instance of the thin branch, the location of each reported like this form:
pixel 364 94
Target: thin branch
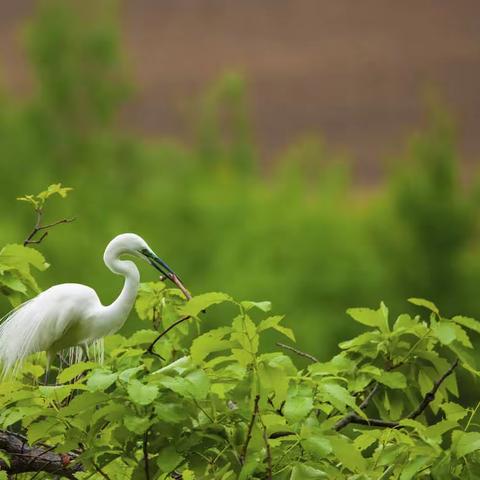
pixel 100 471
pixel 431 394
pixel 352 416
pixel 377 422
pixel 172 326
pixel 243 455
pixel 299 352
pixel 268 456
pixel 145 455
pixel 39 227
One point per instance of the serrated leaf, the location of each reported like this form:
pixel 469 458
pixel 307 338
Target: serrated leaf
pixel 142 394
pixel 371 318
pixel 318 445
pixel 468 322
pixel 74 371
pixel 100 380
pixel 202 302
pixel 137 425
pixel 269 322
pixel 414 466
pixel 444 331
pixel 307 472
pixel 347 454
pixel 210 342
pixel 466 442
pixel 298 407
pixel 263 306
pixel 421 302
pixel 392 379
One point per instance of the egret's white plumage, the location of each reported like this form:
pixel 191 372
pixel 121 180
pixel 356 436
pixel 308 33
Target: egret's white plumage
pixel 70 314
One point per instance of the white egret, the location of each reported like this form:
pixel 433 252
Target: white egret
pixel 71 314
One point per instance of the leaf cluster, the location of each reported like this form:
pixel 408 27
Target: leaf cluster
pixel 218 407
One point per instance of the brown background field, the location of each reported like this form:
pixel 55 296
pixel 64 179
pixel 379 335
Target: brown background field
pixel 354 71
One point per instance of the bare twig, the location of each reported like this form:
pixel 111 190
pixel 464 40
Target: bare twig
pixel 100 471
pixel 299 352
pixel 39 227
pixel 431 394
pixel 172 326
pixel 377 422
pixel 243 455
pixel 268 456
pixel 145 456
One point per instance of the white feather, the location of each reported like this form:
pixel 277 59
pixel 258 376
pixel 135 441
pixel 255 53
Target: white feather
pixel 71 316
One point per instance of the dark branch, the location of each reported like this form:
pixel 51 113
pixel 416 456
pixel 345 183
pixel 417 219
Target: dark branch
pixel 268 456
pixel 299 352
pixel 145 456
pixel 39 227
pixel 243 455
pixel 352 417
pixel 172 326
pixel 25 458
pixel 431 394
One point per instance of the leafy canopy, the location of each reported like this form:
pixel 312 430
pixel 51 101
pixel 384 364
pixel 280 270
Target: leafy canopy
pixel 218 407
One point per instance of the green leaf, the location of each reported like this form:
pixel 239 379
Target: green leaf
pixel 288 332
pixel 444 331
pixel 297 408
pixel 168 459
pixel 263 306
pixel 306 472
pixel 467 322
pixel 202 302
pixel 269 322
pixel 414 466
pixel 338 396
pixel 420 302
pixel 347 454
pixel 21 257
pixel 273 322
pixel 142 394
pixel 453 411
pixel 210 342
pixel 317 445
pixel 465 442
pixel 372 318
pixel 74 371
pixel 100 380
pixel 392 379
pixel 137 425
pixel 369 317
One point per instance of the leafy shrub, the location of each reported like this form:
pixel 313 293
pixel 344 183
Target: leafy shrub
pixel 216 405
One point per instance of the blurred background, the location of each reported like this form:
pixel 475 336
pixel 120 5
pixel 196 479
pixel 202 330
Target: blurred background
pixel 319 154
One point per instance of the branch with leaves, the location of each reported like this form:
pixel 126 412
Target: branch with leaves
pixel 353 417
pixel 38 203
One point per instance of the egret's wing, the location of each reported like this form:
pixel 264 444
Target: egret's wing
pixel 22 332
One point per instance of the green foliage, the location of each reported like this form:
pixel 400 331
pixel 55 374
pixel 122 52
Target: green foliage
pixel 296 232
pixel 16 280
pixel 38 201
pixel 219 407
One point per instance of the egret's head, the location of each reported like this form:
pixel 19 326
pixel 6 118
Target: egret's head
pixel 132 244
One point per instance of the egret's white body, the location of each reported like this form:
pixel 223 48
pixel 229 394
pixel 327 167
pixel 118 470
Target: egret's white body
pixel 71 314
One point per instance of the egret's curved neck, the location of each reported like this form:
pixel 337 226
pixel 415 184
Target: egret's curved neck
pixel 117 313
